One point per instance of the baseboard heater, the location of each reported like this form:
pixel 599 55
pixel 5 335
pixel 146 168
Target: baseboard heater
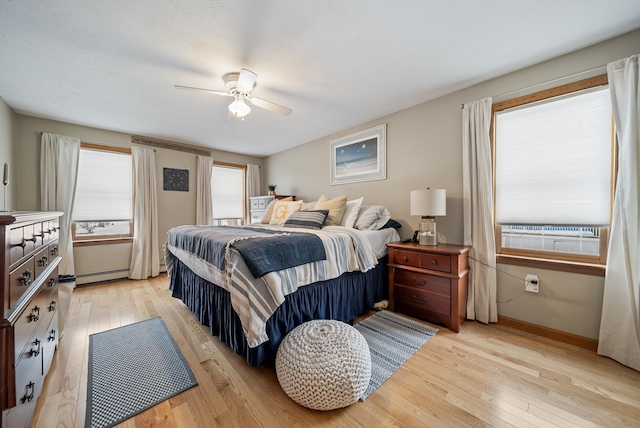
pixel 123 273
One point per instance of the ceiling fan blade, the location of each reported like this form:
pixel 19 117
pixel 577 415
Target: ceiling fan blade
pixel 213 91
pixel 246 80
pixel 268 105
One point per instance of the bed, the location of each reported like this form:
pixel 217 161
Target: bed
pixel 252 284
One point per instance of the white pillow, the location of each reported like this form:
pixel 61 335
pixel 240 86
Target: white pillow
pixel 351 212
pixel 282 210
pixel 372 217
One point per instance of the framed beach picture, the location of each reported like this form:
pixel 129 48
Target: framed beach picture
pixel 360 156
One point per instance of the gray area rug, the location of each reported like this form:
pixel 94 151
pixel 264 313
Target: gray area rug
pixel 131 369
pixel 392 340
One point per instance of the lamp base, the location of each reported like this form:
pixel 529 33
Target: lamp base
pixel 427 234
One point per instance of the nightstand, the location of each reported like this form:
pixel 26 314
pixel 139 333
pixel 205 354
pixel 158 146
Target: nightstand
pixel 429 282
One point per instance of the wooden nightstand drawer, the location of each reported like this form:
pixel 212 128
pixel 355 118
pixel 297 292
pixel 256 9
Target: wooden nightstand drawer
pixel 422 300
pixel 426 282
pixel 405 258
pixel 436 262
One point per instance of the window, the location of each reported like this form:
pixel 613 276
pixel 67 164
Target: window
pixel 103 205
pixel 227 193
pixel 554 168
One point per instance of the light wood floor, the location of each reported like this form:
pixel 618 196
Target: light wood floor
pixel 483 376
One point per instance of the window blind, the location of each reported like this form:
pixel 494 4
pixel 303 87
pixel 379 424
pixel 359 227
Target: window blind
pixel 553 161
pixel 227 192
pixel 104 187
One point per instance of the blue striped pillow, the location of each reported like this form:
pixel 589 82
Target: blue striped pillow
pixel 313 219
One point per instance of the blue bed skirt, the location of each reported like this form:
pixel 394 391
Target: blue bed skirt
pixel 343 299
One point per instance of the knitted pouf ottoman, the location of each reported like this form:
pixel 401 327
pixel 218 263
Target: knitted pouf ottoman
pixel 324 364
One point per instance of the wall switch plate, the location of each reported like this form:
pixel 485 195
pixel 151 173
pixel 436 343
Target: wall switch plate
pixel 531 283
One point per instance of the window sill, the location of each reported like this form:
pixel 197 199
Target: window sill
pixel 559 265
pixel 107 241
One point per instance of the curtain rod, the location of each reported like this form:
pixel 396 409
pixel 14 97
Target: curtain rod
pixel 86 140
pixel 603 67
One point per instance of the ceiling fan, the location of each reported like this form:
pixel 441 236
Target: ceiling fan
pixel 240 86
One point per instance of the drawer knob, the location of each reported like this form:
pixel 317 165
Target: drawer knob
pixel 28 397
pixel 52 336
pixel 44 261
pixel 52 306
pixel 35 314
pixel 54 251
pixel 36 352
pixel 434 262
pixel 25 277
pixel 419 282
pixel 405 258
pixel 52 282
pixel 415 299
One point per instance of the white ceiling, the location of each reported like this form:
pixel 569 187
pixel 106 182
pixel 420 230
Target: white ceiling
pixel 336 63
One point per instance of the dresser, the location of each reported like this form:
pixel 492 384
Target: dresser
pixel 258 205
pixel 29 329
pixel 429 282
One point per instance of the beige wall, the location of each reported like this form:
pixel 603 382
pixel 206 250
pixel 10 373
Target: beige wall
pixel 424 150
pixel 103 262
pixel 8 135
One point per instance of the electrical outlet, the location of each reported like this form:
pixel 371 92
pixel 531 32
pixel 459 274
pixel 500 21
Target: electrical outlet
pixel 531 283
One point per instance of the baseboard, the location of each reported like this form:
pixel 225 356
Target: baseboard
pixel 549 333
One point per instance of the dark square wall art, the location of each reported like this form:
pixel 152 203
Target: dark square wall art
pixel 175 179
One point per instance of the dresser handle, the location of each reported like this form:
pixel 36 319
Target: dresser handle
pixel 35 314
pixel 54 251
pixel 38 235
pixel 52 306
pixel 405 258
pixel 36 352
pixel 415 299
pixel 28 397
pixel 48 231
pixel 52 336
pixel 419 282
pixel 24 241
pixel 434 262
pixel 52 282
pixel 25 277
pixel 44 261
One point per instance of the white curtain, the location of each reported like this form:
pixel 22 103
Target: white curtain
pixel 204 211
pixel 620 322
pixel 478 211
pixel 58 175
pixel 253 186
pixel 145 259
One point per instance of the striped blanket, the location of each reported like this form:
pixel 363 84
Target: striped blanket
pixel 256 299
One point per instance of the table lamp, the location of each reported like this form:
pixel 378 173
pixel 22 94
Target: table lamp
pixel 428 204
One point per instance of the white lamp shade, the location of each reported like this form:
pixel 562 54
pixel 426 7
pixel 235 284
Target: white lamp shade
pixel 429 202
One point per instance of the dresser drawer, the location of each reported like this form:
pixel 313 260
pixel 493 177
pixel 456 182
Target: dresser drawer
pixel 421 300
pixel 254 204
pixel 256 216
pixel 422 281
pixel 41 260
pixel 20 280
pixel 29 378
pixel 29 320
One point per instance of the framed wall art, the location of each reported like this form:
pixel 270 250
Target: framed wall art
pixel 360 156
pixel 175 179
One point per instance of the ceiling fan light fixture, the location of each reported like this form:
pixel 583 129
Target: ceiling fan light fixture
pixel 239 108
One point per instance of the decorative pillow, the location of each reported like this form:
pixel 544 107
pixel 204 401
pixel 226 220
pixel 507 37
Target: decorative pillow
pixel 266 218
pixel 391 223
pixel 336 207
pixel 282 210
pixel 351 212
pixel 372 217
pixel 308 206
pixel 312 219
